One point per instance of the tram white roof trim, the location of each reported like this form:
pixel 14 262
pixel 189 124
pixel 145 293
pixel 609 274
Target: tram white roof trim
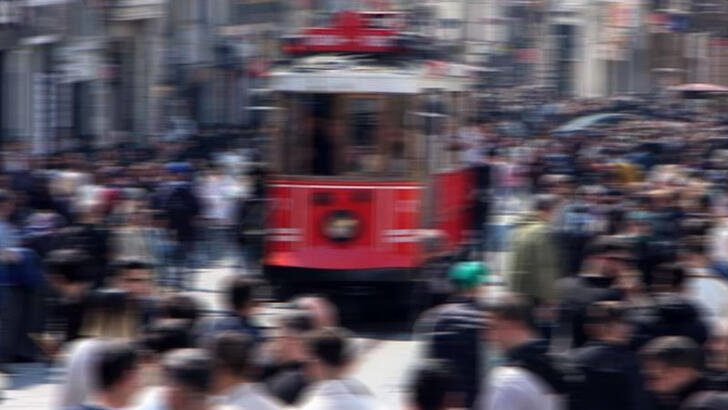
pixel 385 80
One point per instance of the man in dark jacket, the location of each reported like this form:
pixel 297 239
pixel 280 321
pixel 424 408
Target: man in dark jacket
pixel 673 369
pixel 181 207
pixel 70 280
pixel 606 259
pixel 242 297
pixel 610 371
pixel 288 378
pixel 670 313
pixel 452 331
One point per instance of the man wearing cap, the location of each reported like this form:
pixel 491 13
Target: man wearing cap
pixel 452 331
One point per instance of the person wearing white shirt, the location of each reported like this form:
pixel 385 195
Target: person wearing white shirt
pixel 718 246
pixel 219 194
pixel 703 285
pixel 332 355
pixel 527 379
pixel 472 139
pixel 233 356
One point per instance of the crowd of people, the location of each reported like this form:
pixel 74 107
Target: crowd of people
pixel 614 294
pixel 157 214
pixel 616 288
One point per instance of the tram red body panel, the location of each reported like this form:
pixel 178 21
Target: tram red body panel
pixel 453 204
pixel 388 215
pixel 389 218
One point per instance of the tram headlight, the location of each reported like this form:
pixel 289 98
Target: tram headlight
pixel 341 226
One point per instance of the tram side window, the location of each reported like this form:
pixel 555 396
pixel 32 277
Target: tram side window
pixel 397 134
pixel 311 143
pixel 344 135
pixel 364 156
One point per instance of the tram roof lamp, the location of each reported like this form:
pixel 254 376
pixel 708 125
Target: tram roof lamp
pixel 430 114
pixel 262 108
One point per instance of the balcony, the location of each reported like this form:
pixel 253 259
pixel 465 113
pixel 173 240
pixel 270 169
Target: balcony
pixel 132 10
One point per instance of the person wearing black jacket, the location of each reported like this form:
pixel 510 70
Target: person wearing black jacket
pixel 91 237
pixel 181 207
pixel 287 379
pixel 669 313
pixel 250 221
pixel 70 281
pixel 673 367
pixel 607 258
pixel 609 371
pixel 452 332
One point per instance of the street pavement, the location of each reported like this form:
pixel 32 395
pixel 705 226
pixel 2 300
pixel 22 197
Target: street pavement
pixel 386 355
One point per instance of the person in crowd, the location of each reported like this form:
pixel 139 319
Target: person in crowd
pixel 136 278
pixel 471 140
pixel 164 336
pixel 535 265
pixel 187 382
pixel 21 285
pixel 234 372
pixel 288 379
pixel 182 208
pixel 673 368
pixel 716 350
pixel 218 194
pixel 332 354
pixel 116 369
pixel 528 379
pixel 71 280
pixel 703 285
pixel 575 226
pixel 322 311
pixel 672 313
pixel 180 306
pixel 91 236
pixel 242 298
pixel 611 372
pixel 134 239
pixel 250 218
pixel 109 314
pixel 598 281
pixel 718 246
pixel 430 386
pixel 452 332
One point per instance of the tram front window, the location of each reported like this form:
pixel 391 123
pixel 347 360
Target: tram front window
pixel 348 135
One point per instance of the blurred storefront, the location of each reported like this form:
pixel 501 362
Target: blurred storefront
pixel 134 53
pixel 30 85
pixel 81 91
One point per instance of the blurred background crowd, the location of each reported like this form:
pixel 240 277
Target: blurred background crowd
pixel 600 277
pixel 596 274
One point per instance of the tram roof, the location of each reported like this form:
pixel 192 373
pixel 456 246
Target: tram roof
pixel 335 75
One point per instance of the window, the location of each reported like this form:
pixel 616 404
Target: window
pixel 347 135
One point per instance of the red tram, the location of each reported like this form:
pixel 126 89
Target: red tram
pixel 363 191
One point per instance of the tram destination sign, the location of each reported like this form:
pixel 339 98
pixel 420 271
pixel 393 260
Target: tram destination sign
pixel 350 32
